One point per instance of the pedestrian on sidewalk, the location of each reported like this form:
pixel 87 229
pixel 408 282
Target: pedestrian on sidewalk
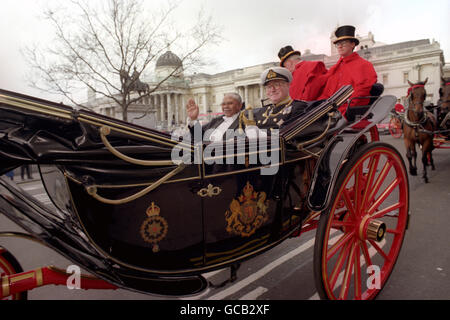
pixel 10 174
pixel 25 167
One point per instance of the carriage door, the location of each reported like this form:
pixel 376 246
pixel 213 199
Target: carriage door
pixel 241 198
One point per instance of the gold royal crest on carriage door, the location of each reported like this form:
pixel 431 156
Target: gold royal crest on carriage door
pixel 247 213
pixel 154 228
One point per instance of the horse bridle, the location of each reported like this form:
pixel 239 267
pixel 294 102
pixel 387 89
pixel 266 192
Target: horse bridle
pixel 419 114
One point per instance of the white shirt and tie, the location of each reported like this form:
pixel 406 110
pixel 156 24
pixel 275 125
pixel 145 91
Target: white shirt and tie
pixel 252 132
pixel 217 134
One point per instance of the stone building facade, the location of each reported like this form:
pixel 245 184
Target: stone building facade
pixel 395 64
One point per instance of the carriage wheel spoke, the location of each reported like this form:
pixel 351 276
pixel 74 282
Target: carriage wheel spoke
pixel 342 241
pixel 357 265
pixel 376 187
pixel 348 203
pixel 365 251
pixel 380 251
pixel 386 193
pixel 373 164
pixel 359 183
pixel 383 212
pixel 347 275
pixel 338 266
pixel 396 232
pixel 340 224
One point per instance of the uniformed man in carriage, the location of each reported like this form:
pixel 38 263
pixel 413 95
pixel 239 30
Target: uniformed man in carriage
pixel 281 108
pixel 308 77
pixel 351 69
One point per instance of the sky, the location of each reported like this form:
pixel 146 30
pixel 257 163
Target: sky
pixel 253 30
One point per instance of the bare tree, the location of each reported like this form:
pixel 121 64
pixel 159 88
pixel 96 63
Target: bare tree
pixel 98 44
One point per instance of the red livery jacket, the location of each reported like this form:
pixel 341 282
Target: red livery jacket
pixel 308 80
pixel 352 70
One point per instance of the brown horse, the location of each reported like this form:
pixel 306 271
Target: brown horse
pixel 418 127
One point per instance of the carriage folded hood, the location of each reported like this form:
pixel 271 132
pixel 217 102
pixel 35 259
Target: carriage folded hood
pixel 42 132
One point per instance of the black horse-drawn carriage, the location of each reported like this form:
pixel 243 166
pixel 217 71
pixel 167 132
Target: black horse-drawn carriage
pixel 136 219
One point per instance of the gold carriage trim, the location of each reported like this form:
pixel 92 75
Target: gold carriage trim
pixel 247 213
pixel 155 227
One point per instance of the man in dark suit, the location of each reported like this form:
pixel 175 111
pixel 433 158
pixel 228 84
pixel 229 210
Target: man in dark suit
pixel 216 129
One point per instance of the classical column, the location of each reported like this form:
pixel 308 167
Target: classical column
pixel 153 105
pixel 169 111
pixel 240 92
pixel 261 91
pixel 246 95
pixel 161 105
pixel 205 107
pixel 183 108
pixel 177 106
pixel 158 109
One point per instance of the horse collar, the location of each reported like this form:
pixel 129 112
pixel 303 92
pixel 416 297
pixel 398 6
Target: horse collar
pixel 415 124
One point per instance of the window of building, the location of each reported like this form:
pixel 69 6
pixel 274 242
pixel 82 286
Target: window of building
pixel 110 112
pixel 405 77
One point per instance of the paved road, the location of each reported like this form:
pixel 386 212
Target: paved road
pixel 286 272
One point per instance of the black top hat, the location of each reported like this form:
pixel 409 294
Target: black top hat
pixel 346 33
pixel 285 53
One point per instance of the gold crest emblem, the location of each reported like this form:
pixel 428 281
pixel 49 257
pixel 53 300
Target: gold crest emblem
pixel 155 227
pixel 271 74
pixel 247 213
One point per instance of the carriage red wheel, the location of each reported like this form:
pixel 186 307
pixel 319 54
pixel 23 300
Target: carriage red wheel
pixel 395 128
pixel 358 244
pixel 9 265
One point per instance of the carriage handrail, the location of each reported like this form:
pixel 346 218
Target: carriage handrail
pixel 339 97
pixel 92 190
pixel 301 145
pixel 105 130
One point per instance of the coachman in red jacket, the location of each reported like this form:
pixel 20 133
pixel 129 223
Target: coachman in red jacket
pixel 350 69
pixel 308 77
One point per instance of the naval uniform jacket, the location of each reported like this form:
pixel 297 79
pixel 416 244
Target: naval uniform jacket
pixel 352 70
pixel 308 79
pixel 275 116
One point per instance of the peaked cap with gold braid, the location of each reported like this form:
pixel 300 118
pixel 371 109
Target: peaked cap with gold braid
pixel 275 73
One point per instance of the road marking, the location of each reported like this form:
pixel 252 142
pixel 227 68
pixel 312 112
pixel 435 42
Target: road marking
pixel 30 187
pixel 212 273
pixel 198 296
pixel 315 297
pixel 245 282
pixel 252 295
pixel 372 252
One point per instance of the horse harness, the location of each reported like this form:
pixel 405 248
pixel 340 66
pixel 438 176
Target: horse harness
pixel 416 125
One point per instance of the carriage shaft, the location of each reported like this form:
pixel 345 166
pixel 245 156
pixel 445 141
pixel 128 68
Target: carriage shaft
pixel 25 281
